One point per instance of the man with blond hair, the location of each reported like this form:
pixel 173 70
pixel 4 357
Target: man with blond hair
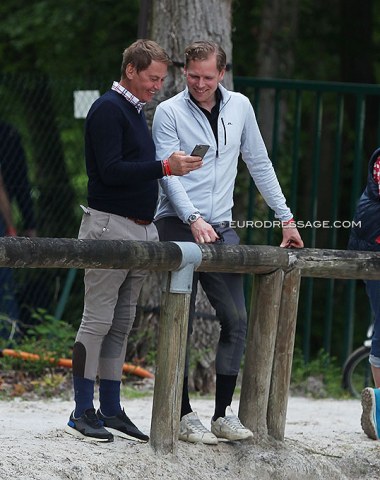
pixel 122 196
pixel 197 208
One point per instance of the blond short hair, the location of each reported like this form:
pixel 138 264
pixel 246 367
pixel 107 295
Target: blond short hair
pixel 141 53
pixel 201 50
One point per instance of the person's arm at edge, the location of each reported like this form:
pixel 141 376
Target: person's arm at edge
pixel 6 210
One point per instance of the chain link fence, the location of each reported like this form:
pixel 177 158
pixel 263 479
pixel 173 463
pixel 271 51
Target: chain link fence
pixel 42 163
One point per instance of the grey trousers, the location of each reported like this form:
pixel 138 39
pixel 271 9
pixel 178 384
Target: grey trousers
pixel 110 300
pixel 226 294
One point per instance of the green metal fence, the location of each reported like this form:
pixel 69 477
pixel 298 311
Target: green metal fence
pixel 319 135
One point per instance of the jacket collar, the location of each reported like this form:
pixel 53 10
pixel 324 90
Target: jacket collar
pixel 225 94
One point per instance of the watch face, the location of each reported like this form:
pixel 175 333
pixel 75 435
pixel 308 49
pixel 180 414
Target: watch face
pixel 193 217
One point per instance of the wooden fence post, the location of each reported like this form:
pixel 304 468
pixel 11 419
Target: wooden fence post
pixel 283 356
pixel 261 337
pixel 169 371
pixel 171 352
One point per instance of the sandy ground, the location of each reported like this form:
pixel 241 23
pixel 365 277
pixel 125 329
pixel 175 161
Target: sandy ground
pixel 323 440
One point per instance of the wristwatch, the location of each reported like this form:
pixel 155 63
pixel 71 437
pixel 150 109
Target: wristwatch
pixel 193 217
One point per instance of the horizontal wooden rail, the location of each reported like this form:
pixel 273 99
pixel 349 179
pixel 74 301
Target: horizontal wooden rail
pixel 272 324
pixel 21 252
pixel 342 264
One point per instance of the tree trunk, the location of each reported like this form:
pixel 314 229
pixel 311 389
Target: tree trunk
pixel 174 25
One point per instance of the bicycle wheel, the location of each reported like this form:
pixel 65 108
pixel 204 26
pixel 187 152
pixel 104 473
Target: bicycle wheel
pixel 357 372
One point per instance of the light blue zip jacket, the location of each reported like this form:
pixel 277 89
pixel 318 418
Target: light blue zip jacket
pixel 179 125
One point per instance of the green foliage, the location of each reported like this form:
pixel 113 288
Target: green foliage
pixel 49 338
pixel 318 36
pixel 43 36
pixel 321 377
pixel 131 393
pixel 197 355
pixel 49 335
pixel 51 385
pixel 142 344
pixel 245 32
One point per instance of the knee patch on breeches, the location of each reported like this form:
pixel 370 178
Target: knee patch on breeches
pixel 79 359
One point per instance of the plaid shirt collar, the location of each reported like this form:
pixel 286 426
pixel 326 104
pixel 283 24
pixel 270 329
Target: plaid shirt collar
pixel 128 96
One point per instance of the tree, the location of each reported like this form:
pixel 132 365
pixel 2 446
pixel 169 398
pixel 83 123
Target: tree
pixel 41 36
pixel 175 24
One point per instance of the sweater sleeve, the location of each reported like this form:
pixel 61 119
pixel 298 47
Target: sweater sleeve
pixel 15 177
pixel 166 140
pixel 106 129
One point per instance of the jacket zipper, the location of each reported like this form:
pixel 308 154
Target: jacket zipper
pixel 225 131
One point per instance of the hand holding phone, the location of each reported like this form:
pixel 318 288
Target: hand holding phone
pixel 199 150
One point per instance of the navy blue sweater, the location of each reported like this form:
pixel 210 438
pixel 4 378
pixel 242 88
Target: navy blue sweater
pixel 120 159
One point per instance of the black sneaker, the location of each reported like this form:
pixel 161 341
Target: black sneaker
pixel 88 427
pixel 122 426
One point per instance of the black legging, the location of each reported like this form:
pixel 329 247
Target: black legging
pixel 225 293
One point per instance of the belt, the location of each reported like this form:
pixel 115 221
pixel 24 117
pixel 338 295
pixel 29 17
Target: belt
pixel 221 225
pixel 139 221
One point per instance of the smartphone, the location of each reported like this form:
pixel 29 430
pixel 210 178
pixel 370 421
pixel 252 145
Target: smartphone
pixel 199 150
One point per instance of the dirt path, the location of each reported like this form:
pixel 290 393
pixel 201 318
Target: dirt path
pixel 323 441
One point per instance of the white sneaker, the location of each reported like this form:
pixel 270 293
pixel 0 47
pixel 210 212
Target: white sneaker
pixel 192 430
pixel 230 427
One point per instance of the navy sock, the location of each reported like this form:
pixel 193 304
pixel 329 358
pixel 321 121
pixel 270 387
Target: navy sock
pixel 109 397
pixel 83 395
pixel 225 387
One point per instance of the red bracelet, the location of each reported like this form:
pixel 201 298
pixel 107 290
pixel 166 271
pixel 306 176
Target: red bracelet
pixel 168 172
pixel 11 232
pixel 286 223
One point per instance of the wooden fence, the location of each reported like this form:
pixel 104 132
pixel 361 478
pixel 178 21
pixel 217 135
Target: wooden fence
pixel 272 324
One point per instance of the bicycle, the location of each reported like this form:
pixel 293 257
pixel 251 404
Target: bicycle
pixel 357 373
